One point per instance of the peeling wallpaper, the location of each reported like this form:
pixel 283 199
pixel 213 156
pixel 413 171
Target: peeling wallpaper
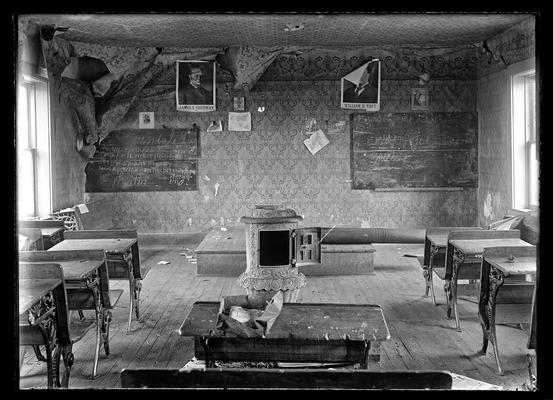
pixel 271 164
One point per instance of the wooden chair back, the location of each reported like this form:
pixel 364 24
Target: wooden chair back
pixel 260 378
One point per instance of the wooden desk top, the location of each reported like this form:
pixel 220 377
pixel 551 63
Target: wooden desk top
pixel 519 266
pixel 32 290
pixel 109 245
pixel 233 240
pixel 438 239
pixel 302 321
pixel 76 270
pixel 50 231
pixel 476 246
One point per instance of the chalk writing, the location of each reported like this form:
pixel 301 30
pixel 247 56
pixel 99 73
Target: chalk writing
pixel 145 160
pixel 409 150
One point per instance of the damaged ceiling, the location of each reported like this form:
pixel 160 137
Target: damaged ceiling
pixel 268 30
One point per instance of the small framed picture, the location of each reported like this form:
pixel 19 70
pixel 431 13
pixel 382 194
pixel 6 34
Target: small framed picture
pixel 239 104
pixel 146 120
pixel 419 99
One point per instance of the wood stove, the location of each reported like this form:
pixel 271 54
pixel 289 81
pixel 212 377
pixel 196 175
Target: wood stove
pixel 275 248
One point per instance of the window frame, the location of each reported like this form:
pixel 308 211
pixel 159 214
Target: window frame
pixel 523 147
pixel 38 142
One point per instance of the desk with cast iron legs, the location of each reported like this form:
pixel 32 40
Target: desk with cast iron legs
pixel 122 255
pixel 514 270
pixel 435 245
pixel 87 287
pixel 464 256
pixel 303 332
pixel 43 318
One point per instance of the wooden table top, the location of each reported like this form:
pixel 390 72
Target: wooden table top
pixel 32 290
pixel 302 321
pixel 438 239
pixel 75 270
pixel 110 245
pixel 476 246
pixel 233 240
pixel 521 265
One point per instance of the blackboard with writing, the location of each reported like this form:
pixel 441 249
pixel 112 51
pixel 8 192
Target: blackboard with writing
pixel 145 160
pixel 414 150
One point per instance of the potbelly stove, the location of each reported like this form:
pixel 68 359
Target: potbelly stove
pixel 275 248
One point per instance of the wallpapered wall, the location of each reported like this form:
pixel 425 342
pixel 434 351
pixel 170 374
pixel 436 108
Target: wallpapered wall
pixel 271 164
pixel 517 47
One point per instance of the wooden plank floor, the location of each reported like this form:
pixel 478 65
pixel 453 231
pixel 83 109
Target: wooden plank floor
pixel 421 335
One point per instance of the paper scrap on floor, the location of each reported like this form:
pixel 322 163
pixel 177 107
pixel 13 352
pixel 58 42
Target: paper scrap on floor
pixel 164 262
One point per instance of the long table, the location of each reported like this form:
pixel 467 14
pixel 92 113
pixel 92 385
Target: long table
pixel 303 332
pixel 122 255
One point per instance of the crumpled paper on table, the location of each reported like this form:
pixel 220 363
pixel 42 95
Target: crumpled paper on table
pixel 239 316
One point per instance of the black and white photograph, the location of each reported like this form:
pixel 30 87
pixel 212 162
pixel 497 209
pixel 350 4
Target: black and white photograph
pixel 196 88
pixel 361 88
pixel 293 201
pixel 419 99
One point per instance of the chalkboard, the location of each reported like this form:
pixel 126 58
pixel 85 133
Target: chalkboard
pixel 145 160
pixel 414 150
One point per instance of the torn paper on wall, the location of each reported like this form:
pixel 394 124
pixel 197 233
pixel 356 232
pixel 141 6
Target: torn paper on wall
pixel 316 142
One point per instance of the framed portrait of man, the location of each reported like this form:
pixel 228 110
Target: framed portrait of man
pixel 419 99
pixel 195 86
pixel 361 88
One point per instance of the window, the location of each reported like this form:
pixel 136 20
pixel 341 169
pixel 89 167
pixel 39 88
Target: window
pixel 34 196
pixel 524 144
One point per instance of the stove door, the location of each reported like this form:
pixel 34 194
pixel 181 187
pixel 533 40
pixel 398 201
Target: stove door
pixel 306 246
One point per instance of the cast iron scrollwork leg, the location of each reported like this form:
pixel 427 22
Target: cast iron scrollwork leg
pixel 430 283
pixel 42 315
pixel 68 359
pixel 128 259
pixel 93 283
pixel 458 259
pixel 105 331
pixel 496 281
pixel 137 289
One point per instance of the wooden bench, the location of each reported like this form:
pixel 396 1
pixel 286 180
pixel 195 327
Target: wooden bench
pixel 344 250
pixel 261 378
pixel 51 230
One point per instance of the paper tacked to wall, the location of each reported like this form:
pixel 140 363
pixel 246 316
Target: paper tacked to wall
pixel 316 141
pixel 239 121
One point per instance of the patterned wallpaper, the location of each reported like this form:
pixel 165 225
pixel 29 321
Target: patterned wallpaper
pixel 271 164
pixel 517 48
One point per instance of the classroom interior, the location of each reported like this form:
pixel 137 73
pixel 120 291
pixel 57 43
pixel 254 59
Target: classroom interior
pixel 216 197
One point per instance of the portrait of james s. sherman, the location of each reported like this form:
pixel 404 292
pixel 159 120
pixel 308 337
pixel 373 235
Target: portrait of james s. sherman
pixel 195 83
